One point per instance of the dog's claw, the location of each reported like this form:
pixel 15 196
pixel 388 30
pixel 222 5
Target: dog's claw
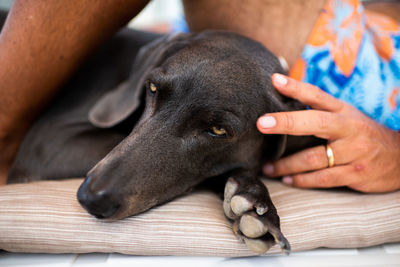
pixel 261 209
pixel 284 244
pixel 255 223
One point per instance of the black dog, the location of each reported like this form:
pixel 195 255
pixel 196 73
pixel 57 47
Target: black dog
pixel 192 101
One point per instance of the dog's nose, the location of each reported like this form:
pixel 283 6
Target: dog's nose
pixel 98 203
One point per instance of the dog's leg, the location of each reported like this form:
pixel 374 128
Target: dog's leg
pixel 255 219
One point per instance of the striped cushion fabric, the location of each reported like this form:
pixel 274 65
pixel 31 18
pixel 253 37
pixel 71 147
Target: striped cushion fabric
pixel 46 217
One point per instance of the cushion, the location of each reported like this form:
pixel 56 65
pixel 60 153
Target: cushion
pixel 46 217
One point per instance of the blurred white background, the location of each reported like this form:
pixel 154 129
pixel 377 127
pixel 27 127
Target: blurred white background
pixel 5 4
pixel 161 16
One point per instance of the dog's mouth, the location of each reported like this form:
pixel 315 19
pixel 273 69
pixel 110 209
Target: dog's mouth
pixel 110 207
pixel 112 216
pixel 110 213
pixel 117 214
pixel 123 211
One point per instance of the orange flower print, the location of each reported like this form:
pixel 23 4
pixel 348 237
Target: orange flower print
pixel 393 98
pixel 382 27
pixel 298 70
pixel 340 26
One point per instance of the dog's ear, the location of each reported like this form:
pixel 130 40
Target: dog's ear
pixel 118 104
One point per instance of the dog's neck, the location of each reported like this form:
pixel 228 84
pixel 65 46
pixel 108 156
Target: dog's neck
pixel 283 26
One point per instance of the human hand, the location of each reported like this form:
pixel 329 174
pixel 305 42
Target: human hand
pixel 366 154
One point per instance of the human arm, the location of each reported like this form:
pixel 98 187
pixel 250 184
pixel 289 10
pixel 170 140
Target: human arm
pixel 41 44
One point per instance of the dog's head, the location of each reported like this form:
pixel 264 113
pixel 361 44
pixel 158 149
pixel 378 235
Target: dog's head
pixel 202 95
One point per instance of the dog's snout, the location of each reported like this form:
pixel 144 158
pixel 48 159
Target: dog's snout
pixel 99 203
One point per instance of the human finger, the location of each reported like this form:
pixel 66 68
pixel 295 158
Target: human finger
pixel 322 124
pixel 329 177
pixel 306 93
pixel 310 159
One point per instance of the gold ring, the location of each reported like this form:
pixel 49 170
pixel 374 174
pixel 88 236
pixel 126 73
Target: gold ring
pixel 329 154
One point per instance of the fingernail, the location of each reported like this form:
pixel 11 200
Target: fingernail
pixel 280 79
pixel 267 122
pixel 287 180
pixel 268 168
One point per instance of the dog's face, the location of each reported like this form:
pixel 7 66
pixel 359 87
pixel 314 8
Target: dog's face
pixel 203 94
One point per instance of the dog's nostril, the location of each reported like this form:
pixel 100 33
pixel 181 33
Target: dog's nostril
pixel 100 204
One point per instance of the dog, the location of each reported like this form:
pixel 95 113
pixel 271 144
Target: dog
pixel 183 113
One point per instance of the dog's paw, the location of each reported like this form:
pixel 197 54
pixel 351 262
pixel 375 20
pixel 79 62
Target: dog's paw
pixel 256 221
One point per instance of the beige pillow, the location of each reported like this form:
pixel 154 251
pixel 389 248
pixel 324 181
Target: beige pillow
pixel 46 217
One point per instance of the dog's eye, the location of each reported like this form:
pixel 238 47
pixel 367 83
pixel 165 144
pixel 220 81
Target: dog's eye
pixel 152 87
pixel 218 131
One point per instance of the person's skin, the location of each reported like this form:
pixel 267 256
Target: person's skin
pixel 41 44
pixel 282 26
pixel 367 154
